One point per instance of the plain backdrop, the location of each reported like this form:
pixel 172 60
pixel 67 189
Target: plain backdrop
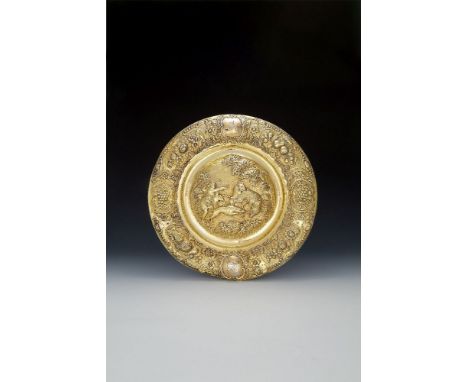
pixel 53 204
pixel 296 64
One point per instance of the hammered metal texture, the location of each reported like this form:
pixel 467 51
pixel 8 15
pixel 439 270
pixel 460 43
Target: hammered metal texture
pixel 232 196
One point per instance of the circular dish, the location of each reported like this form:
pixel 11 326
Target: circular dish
pixel 232 196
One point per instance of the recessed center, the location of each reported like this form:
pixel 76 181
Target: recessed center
pixel 231 196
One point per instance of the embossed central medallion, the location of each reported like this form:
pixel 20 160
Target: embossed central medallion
pixel 231 197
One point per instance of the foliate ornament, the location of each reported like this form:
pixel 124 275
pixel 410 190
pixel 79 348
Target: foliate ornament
pixel 232 196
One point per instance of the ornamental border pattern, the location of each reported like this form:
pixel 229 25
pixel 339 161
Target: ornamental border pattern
pixel 281 245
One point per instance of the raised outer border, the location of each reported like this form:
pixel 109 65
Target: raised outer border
pixel 300 212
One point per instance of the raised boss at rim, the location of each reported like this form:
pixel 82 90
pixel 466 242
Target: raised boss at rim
pixel 232 196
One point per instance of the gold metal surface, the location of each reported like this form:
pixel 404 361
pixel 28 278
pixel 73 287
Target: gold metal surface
pixel 232 196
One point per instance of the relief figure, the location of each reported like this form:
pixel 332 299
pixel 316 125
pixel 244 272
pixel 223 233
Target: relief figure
pixel 247 199
pixel 211 199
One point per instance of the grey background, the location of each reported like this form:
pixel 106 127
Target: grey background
pixel 296 64
pixel 167 323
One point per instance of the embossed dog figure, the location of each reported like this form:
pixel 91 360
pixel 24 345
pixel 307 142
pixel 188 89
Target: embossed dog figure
pixel 243 196
pixel 211 199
